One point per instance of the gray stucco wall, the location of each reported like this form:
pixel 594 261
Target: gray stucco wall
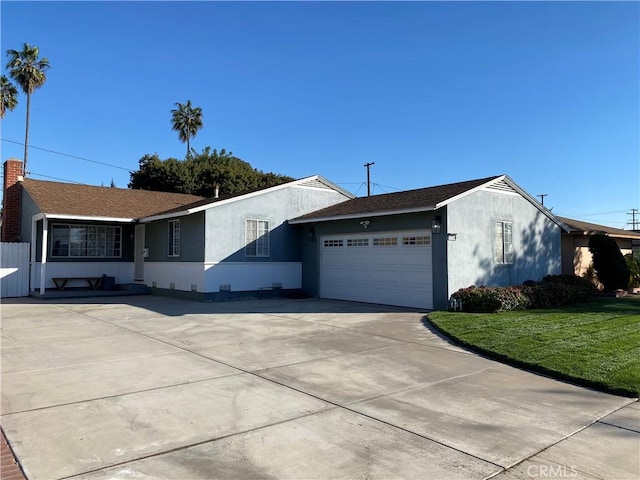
pixel 191 239
pixel 225 224
pixel 471 257
pixel 27 211
pixel 311 233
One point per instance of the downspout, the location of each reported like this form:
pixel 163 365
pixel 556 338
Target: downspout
pixel 43 263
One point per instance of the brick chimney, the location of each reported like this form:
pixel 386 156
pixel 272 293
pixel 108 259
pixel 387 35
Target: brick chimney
pixel 11 201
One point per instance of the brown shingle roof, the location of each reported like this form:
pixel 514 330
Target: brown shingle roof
pixel 90 201
pixel 391 202
pixel 586 228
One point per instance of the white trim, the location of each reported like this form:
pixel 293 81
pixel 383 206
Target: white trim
pixel 59 216
pixel 171 224
pixel 470 191
pixel 547 213
pixel 43 261
pixel 258 237
pixel 352 216
pixel 34 252
pixel 439 205
pixel 219 203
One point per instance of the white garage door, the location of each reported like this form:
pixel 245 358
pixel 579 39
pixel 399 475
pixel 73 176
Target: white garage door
pixel 388 268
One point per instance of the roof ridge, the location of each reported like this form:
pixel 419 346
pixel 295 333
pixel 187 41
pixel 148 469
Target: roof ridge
pixel 443 185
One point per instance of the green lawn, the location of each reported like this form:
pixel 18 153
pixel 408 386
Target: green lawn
pixel 595 344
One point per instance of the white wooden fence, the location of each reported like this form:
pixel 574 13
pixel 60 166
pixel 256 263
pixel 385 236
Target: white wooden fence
pixel 14 269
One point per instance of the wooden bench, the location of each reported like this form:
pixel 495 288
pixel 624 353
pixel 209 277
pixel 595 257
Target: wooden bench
pixel 61 282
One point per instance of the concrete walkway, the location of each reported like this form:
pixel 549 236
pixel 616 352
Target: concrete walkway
pixel 163 388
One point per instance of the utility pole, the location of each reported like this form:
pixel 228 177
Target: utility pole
pixel 635 219
pixel 542 195
pixel 368 165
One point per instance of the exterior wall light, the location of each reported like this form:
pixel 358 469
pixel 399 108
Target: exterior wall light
pixel 452 237
pixel 436 224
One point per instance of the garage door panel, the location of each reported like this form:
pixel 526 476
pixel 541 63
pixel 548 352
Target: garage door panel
pixel 384 257
pixel 389 268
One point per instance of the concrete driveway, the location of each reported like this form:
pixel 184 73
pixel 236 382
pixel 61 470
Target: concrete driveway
pixel 150 387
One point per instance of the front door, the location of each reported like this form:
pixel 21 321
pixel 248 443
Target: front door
pixel 138 273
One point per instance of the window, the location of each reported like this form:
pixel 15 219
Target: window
pixel 385 241
pixel 96 241
pixel 504 242
pixel 174 238
pixel 358 242
pixel 257 238
pixel 422 240
pixel 333 243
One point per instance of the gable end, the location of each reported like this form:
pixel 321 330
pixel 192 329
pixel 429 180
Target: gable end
pixel 502 186
pixel 315 183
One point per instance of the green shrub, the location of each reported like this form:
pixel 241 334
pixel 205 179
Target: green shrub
pixel 491 299
pixel 608 262
pixel 552 291
pixel 633 264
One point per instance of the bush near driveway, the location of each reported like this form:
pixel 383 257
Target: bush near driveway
pixel 553 291
pixel 595 344
pixel 608 262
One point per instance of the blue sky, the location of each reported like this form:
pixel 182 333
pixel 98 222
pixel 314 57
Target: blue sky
pixel 432 92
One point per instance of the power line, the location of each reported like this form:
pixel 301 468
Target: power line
pixel 54 178
pixel 68 155
pixel 361 185
pixel 387 186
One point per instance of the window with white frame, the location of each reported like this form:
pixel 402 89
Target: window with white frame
pixel 504 242
pixel 95 241
pixel 256 238
pixel 174 238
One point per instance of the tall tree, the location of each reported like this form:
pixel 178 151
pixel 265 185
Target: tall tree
pixel 200 173
pixel 9 94
pixel 186 120
pixel 30 73
pixel 608 262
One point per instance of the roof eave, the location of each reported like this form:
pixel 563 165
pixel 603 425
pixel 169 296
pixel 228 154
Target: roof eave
pixel 545 211
pixel 64 216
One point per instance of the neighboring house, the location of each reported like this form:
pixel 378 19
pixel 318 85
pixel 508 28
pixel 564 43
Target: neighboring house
pixel 207 247
pixel 576 257
pixel 415 248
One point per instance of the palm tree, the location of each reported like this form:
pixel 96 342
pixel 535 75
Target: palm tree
pixel 9 94
pixel 30 73
pixel 186 120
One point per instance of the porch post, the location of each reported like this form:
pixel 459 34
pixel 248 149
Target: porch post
pixel 43 263
pixel 32 264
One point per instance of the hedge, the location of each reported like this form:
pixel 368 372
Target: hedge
pixel 552 291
